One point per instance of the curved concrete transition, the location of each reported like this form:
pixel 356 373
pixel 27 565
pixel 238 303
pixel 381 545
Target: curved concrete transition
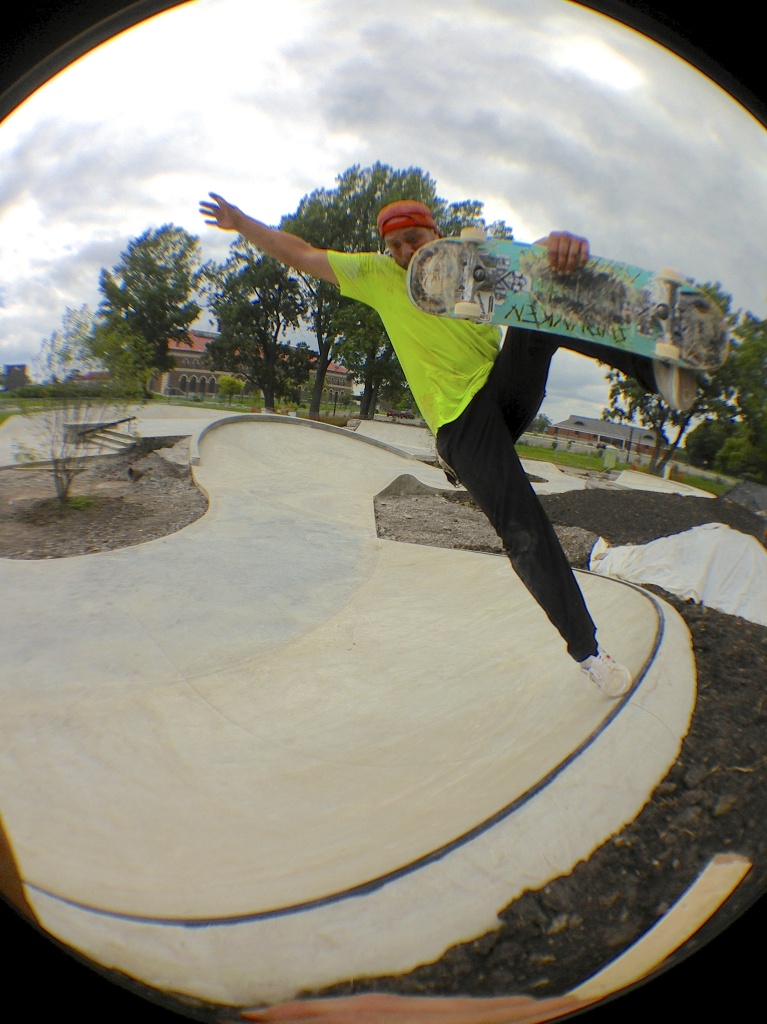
pixel 271 751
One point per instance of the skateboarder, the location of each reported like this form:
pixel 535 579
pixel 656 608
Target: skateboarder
pixel 477 399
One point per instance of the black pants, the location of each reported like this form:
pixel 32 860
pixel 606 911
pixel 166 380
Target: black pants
pixel 479 448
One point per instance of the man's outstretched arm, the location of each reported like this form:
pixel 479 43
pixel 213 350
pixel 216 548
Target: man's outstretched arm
pixel 288 249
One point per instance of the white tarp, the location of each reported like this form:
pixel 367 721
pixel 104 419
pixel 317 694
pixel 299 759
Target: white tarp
pixel 712 565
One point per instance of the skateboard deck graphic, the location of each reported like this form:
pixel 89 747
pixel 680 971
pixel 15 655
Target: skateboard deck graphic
pixel 659 315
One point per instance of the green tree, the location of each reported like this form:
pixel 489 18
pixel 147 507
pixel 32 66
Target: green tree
pixel 704 443
pixel 257 301
pixel 365 350
pixel 314 222
pixel 629 402
pixel 745 452
pixel 126 355
pixel 229 386
pixel 344 218
pixel 360 193
pixel 152 290
pixel 540 424
pixel 68 352
pixel 734 437
pixel 739 456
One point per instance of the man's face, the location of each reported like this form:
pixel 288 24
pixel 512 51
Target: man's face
pixel 403 242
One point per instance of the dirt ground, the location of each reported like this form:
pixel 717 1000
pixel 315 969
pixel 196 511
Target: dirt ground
pixel 141 494
pixel 713 800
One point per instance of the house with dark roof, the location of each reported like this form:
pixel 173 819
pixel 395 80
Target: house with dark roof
pixel 626 437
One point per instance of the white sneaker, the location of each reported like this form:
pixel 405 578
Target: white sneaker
pixel 612 678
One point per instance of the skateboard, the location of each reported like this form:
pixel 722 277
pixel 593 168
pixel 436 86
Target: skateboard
pixel 662 316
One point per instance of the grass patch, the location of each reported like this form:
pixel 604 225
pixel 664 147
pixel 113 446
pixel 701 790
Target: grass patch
pixel 576 460
pixel 79 502
pixel 703 483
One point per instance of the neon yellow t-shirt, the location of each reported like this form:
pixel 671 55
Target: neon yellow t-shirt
pixel 446 362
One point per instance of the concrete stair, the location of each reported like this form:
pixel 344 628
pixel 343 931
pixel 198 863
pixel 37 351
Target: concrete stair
pixel 110 440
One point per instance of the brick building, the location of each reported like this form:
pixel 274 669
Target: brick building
pixel 338 384
pixel 626 437
pixel 189 375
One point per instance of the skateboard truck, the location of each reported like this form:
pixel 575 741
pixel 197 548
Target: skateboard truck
pixel 476 273
pixel 666 312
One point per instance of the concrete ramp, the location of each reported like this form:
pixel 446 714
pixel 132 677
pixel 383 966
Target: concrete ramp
pixel 271 752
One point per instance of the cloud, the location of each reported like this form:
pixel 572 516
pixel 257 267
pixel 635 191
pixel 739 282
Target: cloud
pixel 551 114
pixel 576 384
pixel 562 117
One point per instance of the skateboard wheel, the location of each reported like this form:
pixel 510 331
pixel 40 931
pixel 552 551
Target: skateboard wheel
pixel 672 276
pixel 467 310
pixel 665 350
pixel 473 235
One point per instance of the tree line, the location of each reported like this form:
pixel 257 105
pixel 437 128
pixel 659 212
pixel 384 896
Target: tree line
pixel 156 292
pixel 725 429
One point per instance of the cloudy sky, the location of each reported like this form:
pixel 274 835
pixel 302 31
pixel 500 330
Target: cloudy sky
pixel 553 115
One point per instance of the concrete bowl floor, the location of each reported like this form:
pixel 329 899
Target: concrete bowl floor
pixel 272 751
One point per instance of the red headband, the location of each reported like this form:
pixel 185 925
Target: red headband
pixel 404 213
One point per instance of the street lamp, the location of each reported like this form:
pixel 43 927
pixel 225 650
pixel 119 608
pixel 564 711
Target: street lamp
pixel 631 440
